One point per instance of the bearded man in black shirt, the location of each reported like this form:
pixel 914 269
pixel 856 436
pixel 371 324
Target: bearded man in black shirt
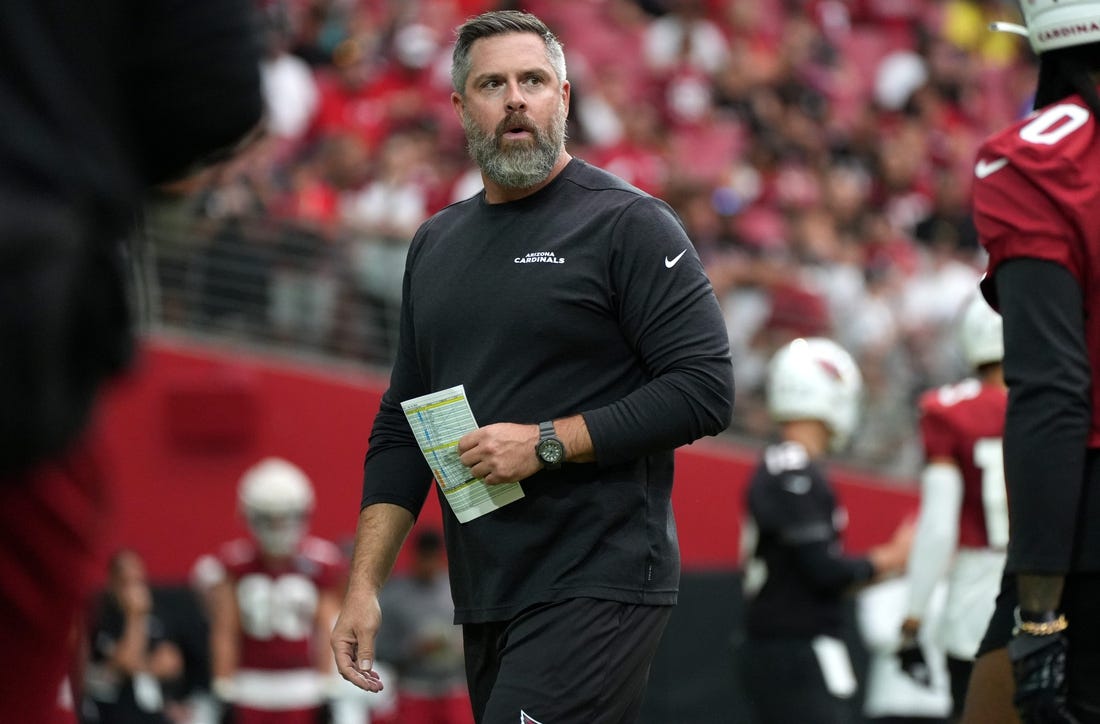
pixel 575 312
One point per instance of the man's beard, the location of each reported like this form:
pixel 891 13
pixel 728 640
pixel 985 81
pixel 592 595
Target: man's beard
pixel 520 165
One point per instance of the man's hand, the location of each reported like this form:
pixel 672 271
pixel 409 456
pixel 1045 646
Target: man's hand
pixel 352 640
pixel 501 453
pixel 890 557
pixel 1039 667
pixel 135 598
pixel 913 663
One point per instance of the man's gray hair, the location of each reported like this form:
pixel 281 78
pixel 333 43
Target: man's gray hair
pixel 501 22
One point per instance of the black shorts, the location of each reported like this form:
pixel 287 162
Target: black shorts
pixel 579 661
pixel 1080 601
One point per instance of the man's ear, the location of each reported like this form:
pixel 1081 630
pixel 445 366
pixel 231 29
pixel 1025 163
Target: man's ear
pixel 457 103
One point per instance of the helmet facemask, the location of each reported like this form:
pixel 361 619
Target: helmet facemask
pixel 278 534
pixel 276 499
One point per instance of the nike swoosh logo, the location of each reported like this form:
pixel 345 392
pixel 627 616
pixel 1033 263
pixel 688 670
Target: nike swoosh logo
pixel 986 168
pixel 669 263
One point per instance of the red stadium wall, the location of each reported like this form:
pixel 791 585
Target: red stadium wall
pixel 180 430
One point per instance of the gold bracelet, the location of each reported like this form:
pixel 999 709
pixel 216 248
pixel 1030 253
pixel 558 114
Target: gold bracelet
pixel 1040 628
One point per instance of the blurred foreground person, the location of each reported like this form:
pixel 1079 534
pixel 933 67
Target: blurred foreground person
pixel 576 314
pixel 962 530
pixel 797 578
pixel 98 101
pixel 1036 195
pixel 271 614
pixel 131 655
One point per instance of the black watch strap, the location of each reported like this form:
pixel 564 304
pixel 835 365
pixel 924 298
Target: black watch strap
pixel 549 449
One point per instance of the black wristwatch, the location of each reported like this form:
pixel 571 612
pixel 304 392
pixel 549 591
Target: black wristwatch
pixel 549 449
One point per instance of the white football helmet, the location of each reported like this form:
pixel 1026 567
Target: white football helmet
pixel 981 334
pixel 276 499
pixel 816 379
pixel 1052 24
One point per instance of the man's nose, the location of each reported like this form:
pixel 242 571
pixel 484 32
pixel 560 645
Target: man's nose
pixel 515 100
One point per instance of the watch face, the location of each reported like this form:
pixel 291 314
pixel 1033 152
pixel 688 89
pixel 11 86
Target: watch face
pixel 551 451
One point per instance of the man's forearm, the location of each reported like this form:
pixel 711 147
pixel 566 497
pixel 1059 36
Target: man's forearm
pixel 224 631
pixel 382 529
pixel 129 655
pixel 573 432
pixel 1039 593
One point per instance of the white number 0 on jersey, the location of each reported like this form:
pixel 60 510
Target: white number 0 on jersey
pixel 1054 124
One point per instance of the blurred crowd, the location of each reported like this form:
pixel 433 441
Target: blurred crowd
pixel 819 152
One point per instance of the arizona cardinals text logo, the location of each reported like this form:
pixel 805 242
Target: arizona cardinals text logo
pixel 540 257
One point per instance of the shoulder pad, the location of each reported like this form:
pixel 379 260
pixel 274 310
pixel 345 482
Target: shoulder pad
pixel 322 551
pixel 950 395
pixel 237 552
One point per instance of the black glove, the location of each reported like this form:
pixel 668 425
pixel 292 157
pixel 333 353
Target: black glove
pixel 227 714
pixel 913 663
pixel 326 713
pixel 1039 667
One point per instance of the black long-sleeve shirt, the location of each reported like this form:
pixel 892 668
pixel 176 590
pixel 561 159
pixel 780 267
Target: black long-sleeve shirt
pixel 585 297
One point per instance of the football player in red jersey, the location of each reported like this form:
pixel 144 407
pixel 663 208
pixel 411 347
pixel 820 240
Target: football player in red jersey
pixel 1036 195
pixel 962 529
pixel 273 610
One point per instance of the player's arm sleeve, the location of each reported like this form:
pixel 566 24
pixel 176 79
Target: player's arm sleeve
pixel 1046 428
pixel 826 568
pixel 394 470
pixel 937 533
pixel 672 318
pixel 806 531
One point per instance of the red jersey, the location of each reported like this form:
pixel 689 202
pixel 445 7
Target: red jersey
pixel 1036 192
pixel 278 606
pixel 965 422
